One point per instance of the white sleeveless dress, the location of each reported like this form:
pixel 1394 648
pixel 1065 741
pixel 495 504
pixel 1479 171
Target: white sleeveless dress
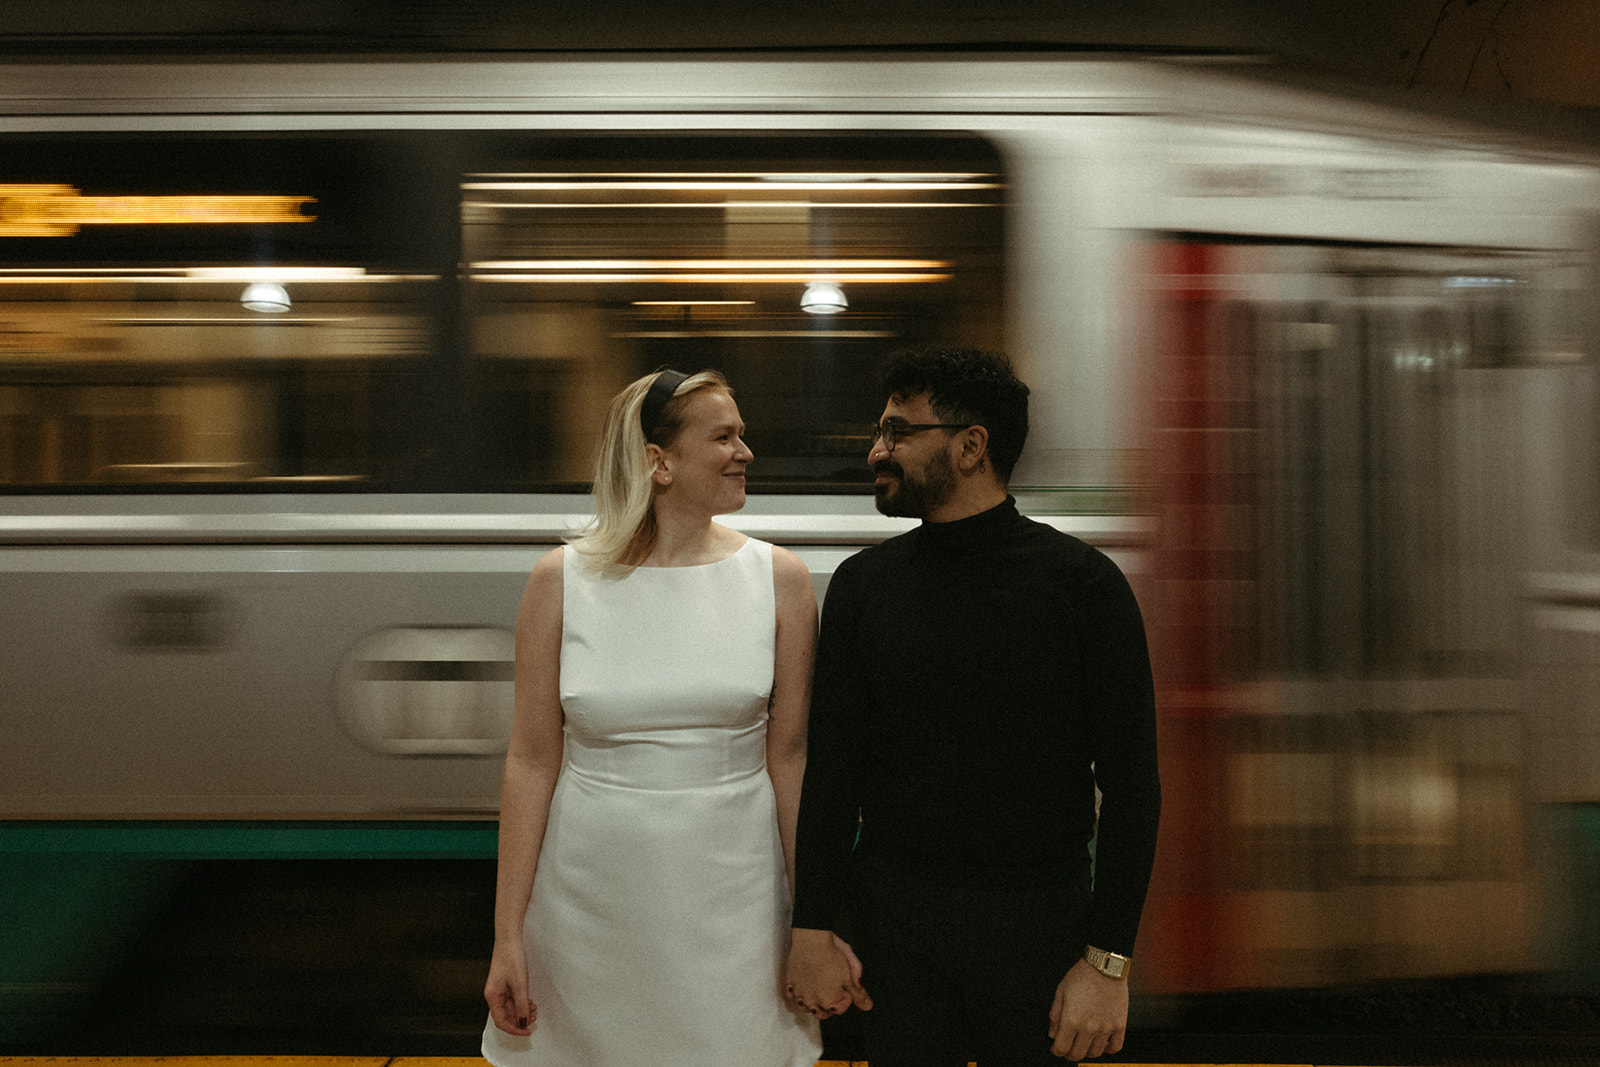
pixel 660 911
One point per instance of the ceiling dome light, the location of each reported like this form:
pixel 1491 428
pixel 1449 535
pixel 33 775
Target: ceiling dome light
pixel 266 296
pixel 823 298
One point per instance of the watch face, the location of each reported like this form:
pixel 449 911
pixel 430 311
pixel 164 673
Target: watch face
pixel 1107 963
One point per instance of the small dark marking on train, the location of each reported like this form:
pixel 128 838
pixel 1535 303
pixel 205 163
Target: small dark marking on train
pixel 172 622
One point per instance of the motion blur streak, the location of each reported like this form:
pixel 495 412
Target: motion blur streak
pixel 1348 449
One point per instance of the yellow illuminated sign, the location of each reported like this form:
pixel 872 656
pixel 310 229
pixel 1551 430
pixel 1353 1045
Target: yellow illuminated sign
pixel 59 210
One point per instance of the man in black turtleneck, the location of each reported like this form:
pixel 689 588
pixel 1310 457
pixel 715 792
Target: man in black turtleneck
pixel 977 679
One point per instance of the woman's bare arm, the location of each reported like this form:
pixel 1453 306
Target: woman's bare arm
pixel 791 692
pixel 533 762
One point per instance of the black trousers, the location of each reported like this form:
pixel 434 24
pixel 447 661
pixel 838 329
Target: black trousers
pixel 959 972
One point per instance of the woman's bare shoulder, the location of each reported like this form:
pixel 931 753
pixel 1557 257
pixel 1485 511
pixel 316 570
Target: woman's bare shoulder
pixel 790 575
pixel 543 591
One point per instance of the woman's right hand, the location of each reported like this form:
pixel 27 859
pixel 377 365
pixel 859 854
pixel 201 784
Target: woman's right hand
pixel 507 989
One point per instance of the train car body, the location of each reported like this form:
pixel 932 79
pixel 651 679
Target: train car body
pixel 1314 370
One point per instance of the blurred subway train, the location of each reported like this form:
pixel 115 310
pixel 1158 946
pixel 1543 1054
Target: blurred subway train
pixel 302 364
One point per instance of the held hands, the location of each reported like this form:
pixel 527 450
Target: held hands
pixel 507 990
pixel 1090 1014
pixel 824 976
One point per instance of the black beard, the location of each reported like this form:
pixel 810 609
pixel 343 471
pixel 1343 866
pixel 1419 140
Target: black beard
pixel 916 498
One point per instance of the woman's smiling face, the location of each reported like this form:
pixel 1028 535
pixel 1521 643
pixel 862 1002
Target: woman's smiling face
pixel 707 459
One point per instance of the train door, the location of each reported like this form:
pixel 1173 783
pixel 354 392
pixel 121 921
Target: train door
pixel 1345 440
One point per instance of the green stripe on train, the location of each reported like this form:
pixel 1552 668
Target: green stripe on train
pixel 206 839
pixel 77 894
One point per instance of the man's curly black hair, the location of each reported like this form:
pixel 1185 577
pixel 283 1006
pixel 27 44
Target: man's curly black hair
pixel 966 385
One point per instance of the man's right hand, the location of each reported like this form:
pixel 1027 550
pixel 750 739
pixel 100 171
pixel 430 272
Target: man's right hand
pixel 824 974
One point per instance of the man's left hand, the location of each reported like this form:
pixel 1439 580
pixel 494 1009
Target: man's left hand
pixel 1090 1015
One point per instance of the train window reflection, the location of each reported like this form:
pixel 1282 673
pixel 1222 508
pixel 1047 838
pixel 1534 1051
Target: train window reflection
pixel 254 311
pixel 591 262
pixel 166 378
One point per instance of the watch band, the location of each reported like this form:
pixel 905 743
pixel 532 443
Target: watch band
pixel 1109 964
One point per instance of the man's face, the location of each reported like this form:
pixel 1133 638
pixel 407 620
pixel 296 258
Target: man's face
pixel 919 476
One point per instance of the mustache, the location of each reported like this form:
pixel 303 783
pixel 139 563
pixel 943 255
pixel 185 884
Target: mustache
pixel 887 466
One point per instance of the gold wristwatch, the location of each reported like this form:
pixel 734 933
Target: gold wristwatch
pixel 1107 963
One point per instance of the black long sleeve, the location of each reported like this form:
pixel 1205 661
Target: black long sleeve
pixel 975 681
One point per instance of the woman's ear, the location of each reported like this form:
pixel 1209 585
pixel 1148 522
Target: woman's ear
pixel 660 470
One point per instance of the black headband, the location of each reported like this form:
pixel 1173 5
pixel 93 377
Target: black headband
pixel 655 401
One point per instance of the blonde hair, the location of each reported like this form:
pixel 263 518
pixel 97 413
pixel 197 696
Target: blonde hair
pixel 624 528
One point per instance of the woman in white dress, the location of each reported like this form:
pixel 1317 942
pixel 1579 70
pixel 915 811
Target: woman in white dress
pixel 653 776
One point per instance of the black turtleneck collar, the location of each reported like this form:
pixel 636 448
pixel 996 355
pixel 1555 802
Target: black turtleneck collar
pixel 970 531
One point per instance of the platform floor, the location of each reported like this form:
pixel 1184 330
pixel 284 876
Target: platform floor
pixel 1565 1054
pixel 353 1061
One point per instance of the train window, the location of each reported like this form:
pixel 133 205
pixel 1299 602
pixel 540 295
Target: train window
pixel 792 265
pixel 251 311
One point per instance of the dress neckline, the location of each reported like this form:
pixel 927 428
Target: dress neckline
pixel 696 566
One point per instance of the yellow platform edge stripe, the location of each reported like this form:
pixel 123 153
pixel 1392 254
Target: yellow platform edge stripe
pixel 379 1061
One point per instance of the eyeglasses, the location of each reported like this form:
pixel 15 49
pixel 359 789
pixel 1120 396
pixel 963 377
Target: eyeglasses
pixel 892 431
